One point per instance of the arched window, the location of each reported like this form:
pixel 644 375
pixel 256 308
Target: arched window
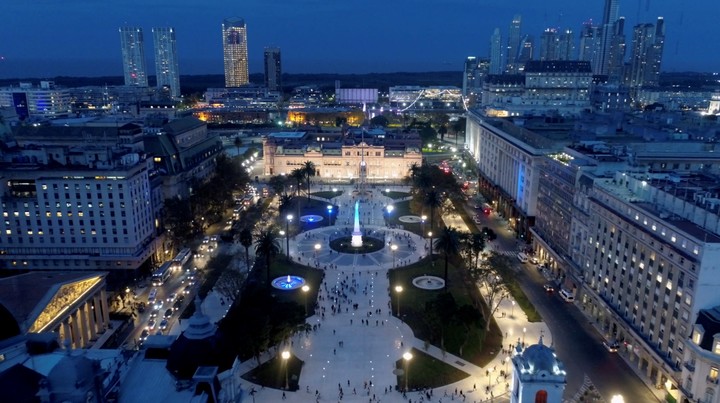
pixel 541 397
pixel 709 395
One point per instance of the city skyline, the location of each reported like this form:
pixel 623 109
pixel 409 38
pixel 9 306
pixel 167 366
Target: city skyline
pixel 451 31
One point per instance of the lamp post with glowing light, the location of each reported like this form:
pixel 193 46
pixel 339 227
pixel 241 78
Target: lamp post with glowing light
pixel 422 223
pixel 489 371
pixel 407 357
pixel 285 355
pixel 394 248
pixel 288 219
pixel 512 310
pixel 617 399
pixel 317 249
pixel 329 210
pixel 398 290
pixel 524 330
pixel 282 234
pixel 305 290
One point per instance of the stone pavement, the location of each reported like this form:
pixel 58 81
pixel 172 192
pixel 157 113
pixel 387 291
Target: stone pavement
pixel 357 340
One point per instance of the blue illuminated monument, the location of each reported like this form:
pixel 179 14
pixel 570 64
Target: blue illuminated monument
pixel 356 241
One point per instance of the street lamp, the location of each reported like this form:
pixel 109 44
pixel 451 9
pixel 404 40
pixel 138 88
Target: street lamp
pixel 282 234
pixel 507 359
pixel 489 371
pixel 394 248
pixel 398 290
pixel 524 330
pixel 317 249
pixel 431 245
pixel 329 210
pixel 285 355
pixel 288 219
pixel 617 399
pixel 512 310
pixel 407 357
pixel 305 290
pixel 423 218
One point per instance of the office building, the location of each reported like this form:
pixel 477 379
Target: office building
pixel 235 52
pixel 513 46
pixel 647 48
pixel 526 52
pixel 43 101
pixel 701 363
pixel 650 264
pixel 496 59
pixel 166 61
pixel 469 75
pixel 273 69
pixel 566 45
pixel 549 42
pixel 589 43
pixel 616 56
pixel 610 15
pixel 133 56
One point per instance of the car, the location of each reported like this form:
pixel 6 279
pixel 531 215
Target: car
pixel 534 260
pixel 214 238
pixel 177 305
pixel 168 313
pixel 158 304
pixel 163 324
pixel 206 239
pixel 180 298
pixel 151 324
pixel 154 313
pixel 171 297
pixel 144 335
pixel 611 345
pixel 187 289
pixel 549 288
pixel 140 307
pixel 567 296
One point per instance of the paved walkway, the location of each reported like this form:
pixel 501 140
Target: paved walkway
pixel 357 340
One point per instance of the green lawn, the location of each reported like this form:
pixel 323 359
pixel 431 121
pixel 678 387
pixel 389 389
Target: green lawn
pixel 403 208
pixel 477 346
pixel 517 293
pixel 271 374
pixel 395 195
pixel 307 207
pixel 313 278
pixel 424 371
pixel 327 194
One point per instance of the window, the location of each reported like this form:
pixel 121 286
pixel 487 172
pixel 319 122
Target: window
pixel 709 395
pixel 541 396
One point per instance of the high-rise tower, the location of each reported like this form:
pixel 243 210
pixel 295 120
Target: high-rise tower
pixel 273 69
pixel 589 43
pixel 647 47
pixel 566 45
pixel 235 52
pixel 610 15
pixel 616 57
pixel 549 45
pixel 496 64
pixel 133 56
pixel 513 46
pixel 166 61
pixel 526 50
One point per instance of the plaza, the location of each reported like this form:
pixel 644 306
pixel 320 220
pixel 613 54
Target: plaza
pixel 357 340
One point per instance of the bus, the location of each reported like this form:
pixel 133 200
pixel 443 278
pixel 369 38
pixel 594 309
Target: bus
pixel 162 274
pixel 182 257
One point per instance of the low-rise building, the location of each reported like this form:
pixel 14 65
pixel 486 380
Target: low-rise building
pixel 701 362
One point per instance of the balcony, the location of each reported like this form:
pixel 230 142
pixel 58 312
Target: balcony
pixel 690 366
pixel 712 379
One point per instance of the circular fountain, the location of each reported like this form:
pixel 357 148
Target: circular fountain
pixel 311 218
pixel 428 282
pixel 288 282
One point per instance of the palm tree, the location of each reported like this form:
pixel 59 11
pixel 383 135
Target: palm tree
pixel 238 143
pixel 476 245
pixel 267 246
pixel 309 170
pixel 298 174
pixel 246 239
pixel 433 199
pixel 449 244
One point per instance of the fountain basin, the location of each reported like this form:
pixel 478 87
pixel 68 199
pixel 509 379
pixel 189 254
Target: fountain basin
pixel 429 283
pixel 344 245
pixel 288 282
pixel 311 218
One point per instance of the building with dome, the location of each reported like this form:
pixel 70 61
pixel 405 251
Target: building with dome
pixel 537 375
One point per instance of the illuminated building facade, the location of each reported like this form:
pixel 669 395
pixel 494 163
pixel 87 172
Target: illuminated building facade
pixel 73 305
pixel 166 61
pixel 80 208
pixel 45 101
pixel 412 97
pixel 337 156
pixel 701 363
pixel 496 56
pixel 235 52
pixel 327 117
pixel 133 56
pixel 513 46
pixel 273 69
pixel 647 49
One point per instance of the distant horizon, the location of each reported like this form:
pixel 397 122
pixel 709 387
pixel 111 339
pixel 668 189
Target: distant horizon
pixel 77 38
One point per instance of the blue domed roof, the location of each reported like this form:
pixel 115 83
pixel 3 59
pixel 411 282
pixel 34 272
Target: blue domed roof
pixel 540 358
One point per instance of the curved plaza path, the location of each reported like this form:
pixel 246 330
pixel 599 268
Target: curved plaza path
pixel 344 350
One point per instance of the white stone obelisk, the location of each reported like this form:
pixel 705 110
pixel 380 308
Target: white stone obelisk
pixel 356 234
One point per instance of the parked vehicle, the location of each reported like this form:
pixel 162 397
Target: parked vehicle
pixel 566 295
pixel 611 345
pixel 522 257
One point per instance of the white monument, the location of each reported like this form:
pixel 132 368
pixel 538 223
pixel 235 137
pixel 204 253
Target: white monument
pixel 537 375
pixel 356 234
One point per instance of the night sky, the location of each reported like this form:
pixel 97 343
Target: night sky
pixel 80 37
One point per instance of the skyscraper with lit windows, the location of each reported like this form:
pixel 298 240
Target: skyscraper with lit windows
pixel 166 61
pixel 496 60
pixel 235 52
pixel 133 56
pixel 273 69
